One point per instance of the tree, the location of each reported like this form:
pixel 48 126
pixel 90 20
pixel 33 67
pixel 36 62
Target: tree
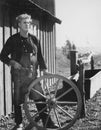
pixel 67 48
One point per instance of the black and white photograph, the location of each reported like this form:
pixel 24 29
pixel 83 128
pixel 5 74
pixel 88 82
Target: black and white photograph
pixel 50 64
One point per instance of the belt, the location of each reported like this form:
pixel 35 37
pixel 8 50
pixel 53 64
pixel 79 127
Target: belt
pixel 31 68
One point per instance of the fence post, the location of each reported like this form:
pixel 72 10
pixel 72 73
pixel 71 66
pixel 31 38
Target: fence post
pixel 73 66
pixel 92 63
pixel 80 84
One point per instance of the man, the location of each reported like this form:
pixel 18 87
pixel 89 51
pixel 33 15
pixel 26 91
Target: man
pixel 25 57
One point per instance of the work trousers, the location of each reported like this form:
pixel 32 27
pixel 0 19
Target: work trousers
pixel 22 79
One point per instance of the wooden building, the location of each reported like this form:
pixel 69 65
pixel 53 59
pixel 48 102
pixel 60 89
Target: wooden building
pixel 43 14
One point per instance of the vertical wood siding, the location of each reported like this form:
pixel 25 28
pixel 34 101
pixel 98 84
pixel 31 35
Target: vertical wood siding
pixel 7 74
pixel 6 30
pixel 45 33
pixel 48 44
pixel 1 66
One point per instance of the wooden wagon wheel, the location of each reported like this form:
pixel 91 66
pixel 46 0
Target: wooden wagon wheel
pixel 62 99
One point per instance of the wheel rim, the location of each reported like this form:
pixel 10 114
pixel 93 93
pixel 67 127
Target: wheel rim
pixel 62 110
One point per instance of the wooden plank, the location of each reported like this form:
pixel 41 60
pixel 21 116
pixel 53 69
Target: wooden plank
pixel 45 43
pixel 54 48
pixel 1 65
pixel 46 48
pixel 49 53
pixel 1 77
pixel 51 50
pixel 8 94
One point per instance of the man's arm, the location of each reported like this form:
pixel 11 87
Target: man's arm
pixel 6 51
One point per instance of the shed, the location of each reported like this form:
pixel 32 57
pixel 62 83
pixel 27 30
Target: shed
pixel 43 15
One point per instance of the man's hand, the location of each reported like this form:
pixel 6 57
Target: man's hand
pixel 15 64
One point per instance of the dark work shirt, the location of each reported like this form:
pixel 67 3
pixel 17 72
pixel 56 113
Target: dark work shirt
pixel 12 50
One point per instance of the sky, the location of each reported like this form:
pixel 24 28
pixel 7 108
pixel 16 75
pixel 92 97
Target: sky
pixel 81 22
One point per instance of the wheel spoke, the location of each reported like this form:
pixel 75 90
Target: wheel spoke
pixel 47 117
pixel 35 115
pixel 42 110
pixel 39 102
pixel 56 115
pixel 65 112
pixel 69 90
pixel 57 84
pixel 47 88
pixel 38 92
pixel 66 102
pixel 39 112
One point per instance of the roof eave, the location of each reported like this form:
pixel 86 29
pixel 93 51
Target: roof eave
pixel 54 19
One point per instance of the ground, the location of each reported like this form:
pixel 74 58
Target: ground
pixel 92 120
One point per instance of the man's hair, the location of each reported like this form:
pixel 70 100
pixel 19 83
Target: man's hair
pixel 23 16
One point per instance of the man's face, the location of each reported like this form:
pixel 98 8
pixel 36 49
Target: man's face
pixel 25 25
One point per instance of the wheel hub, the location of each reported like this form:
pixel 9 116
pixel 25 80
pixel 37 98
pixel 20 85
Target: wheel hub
pixel 51 102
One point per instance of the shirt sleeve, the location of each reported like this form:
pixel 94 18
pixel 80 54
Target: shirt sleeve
pixel 6 51
pixel 41 61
